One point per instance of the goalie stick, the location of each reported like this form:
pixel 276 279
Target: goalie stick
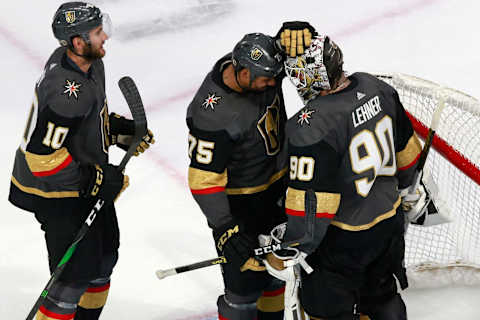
pixel 134 101
pixel 430 209
pixel 310 205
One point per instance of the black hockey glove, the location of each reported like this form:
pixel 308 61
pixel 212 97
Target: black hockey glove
pixel 236 246
pixel 104 181
pixel 122 131
pixel 295 37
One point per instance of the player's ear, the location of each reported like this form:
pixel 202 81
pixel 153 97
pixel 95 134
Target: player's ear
pixel 78 43
pixel 244 74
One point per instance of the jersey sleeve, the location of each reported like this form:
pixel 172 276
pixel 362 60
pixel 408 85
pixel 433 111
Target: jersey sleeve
pixel 313 167
pixel 408 147
pixel 207 174
pixel 47 152
pixel 58 117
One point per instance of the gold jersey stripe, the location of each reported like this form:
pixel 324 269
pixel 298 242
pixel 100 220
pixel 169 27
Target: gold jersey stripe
pixel 378 219
pixel 93 300
pixel 326 202
pixel 249 190
pixel 271 303
pixel 201 179
pixel 48 162
pixel 410 153
pixel 45 194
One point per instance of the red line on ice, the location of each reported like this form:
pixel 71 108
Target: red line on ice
pixel 22 47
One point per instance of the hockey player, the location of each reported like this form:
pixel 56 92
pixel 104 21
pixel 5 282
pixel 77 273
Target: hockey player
pixel 237 169
pixel 62 163
pixel 354 146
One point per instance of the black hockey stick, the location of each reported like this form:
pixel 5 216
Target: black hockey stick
pixel 129 90
pixel 310 207
pixel 198 265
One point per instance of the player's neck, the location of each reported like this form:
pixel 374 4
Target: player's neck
pixel 342 84
pixel 81 62
pixel 229 78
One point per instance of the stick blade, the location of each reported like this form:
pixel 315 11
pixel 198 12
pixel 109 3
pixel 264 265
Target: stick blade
pixel 134 101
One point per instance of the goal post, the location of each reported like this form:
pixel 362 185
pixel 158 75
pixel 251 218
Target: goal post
pixel 448 253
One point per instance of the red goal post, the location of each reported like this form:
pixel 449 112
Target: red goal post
pixel 448 253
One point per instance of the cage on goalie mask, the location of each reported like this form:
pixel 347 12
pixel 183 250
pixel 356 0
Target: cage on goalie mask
pixel 317 69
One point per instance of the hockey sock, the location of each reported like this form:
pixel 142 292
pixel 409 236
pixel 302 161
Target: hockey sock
pixel 61 301
pixel 270 305
pixel 92 301
pixel 88 314
pixel 53 311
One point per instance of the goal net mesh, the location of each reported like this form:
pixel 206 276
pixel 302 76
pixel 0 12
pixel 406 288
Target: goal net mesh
pixel 448 253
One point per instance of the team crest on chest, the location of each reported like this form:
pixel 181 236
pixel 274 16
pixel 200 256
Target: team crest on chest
pixel 269 127
pixel 304 116
pixel 211 101
pixel 72 88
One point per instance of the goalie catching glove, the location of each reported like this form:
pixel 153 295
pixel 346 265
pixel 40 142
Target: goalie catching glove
pixel 236 246
pixel 122 131
pixel 295 37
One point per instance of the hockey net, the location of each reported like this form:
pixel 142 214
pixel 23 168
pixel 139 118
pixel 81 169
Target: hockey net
pixel 446 254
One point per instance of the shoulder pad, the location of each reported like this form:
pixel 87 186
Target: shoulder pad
pixel 64 92
pixel 315 122
pixel 214 109
pixel 370 79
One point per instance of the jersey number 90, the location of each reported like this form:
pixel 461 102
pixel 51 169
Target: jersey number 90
pixel 374 152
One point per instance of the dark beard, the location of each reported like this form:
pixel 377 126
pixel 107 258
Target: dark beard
pixel 91 55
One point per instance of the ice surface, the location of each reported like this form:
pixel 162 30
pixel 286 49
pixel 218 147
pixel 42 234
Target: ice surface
pixel 175 43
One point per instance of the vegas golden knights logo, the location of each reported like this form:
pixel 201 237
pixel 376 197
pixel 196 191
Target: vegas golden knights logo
pixel 269 128
pixel 70 16
pixel 105 127
pixel 256 54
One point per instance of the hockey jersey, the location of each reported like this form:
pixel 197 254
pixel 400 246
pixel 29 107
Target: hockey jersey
pixel 67 125
pixel 238 160
pixel 354 149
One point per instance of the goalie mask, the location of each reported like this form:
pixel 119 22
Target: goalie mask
pixel 318 69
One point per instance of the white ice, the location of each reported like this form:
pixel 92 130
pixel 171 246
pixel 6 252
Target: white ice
pixel 168 47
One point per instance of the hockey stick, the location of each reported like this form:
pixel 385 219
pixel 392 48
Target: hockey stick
pixel 130 92
pixel 430 206
pixel 310 203
pixel 198 265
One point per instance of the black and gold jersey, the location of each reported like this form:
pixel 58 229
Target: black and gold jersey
pixel 67 125
pixel 354 149
pixel 236 147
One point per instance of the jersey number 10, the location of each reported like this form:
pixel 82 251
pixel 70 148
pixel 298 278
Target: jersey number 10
pixel 374 152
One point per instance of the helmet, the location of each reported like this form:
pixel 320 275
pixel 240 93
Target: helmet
pixel 77 19
pixel 258 53
pixel 319 68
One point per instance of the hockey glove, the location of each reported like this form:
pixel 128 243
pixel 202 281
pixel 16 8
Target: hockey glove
pixel 104 181
pixel 295 37
pixel 236 246
pixel 414 205
pixel 122 131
